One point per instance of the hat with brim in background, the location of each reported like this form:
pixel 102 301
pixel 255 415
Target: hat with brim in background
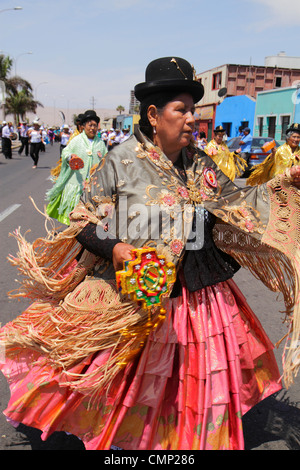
pixel 295 127
pixel 219 130
pixel 169 74
pixel 79 118
pixel 90 115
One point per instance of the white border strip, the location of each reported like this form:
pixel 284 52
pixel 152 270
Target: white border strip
pixel 8 211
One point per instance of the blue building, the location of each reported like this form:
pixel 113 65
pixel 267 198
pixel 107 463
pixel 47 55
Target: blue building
pixel 235 111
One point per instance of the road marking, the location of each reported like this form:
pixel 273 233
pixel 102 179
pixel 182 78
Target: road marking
pixel 8 211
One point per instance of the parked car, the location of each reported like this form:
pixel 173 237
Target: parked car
pixel 257 155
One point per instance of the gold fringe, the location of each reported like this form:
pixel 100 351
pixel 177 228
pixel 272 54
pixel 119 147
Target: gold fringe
pixel 261 172
pixel 55 172
pixel 275 263
pixel 76 316
pixel 49 264
pixel 72 332
pixel 267 264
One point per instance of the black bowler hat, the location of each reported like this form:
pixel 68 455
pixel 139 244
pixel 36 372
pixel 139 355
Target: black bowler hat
pixel 219 129
pixel 90 115
pixel 168 74
pixel 79 118
pixel 294 128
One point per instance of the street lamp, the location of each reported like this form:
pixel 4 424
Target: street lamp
pixel 35 92
pixel 24 53
pixel 8 9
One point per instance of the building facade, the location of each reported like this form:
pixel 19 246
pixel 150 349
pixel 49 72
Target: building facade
pixel 235 112
pixel 275 111
pixel 237 80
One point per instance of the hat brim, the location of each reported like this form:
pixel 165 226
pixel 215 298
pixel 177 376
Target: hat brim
pixel 143 90
pixel 90 118
pixel 291 129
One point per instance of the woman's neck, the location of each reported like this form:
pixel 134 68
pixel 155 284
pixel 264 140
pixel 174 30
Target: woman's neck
pixel 172 155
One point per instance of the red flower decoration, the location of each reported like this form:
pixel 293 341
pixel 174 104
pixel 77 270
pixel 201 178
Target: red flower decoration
pixel 183 192
pixel 154 155
pixel 75 162
pixel 176 246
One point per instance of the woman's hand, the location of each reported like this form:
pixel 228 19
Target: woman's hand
pixel 295 176
pixel 121 252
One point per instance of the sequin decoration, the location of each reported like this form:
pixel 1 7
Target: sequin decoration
pixel 210 177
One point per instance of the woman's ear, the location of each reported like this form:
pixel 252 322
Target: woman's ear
pixel 152 115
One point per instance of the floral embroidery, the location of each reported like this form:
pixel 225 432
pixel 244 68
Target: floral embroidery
pixel 168 199
pixel 183 192
pixel 153 155
pixel 243 216
pixel 176 246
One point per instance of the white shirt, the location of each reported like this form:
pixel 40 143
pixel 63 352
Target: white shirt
pixel 35 137
pixel 6 131
pixel 23 131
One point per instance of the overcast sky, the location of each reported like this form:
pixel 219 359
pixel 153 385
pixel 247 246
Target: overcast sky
pixel 95 48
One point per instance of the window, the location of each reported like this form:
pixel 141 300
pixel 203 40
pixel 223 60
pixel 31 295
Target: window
pixel 227 126
pixel 217 78
pixel 278 82
pixel 244 124
pixel 285 121
pixel 260 123
pixel 271 126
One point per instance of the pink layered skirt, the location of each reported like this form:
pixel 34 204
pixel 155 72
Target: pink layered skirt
pixel 199 372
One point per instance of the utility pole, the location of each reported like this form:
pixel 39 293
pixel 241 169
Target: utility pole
pixel 93 102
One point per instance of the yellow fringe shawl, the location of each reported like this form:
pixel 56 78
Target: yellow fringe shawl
pixel 75 315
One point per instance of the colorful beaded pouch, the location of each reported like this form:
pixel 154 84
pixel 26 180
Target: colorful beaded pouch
pixel 146 278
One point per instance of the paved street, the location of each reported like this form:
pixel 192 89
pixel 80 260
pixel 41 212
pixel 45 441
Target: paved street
pixel 272 425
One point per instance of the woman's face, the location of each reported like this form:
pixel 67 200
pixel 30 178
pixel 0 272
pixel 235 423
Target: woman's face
pixel 90 128
pixel 219 136
pixel 174 125
pixel 293 140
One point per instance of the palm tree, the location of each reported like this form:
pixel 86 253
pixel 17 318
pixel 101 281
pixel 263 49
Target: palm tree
pixel 19 103
pixel 5 67
pixel 120 108
pixel 19 97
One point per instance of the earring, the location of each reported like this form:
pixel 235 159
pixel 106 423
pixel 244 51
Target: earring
pixel 154 130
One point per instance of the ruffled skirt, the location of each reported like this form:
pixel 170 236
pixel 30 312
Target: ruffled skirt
pixel 198 373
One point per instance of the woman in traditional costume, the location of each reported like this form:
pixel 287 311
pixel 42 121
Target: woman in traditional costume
pixel 79 128
pixel 79 157
pixel 231 163
pixel 286 156
pixel 97 362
